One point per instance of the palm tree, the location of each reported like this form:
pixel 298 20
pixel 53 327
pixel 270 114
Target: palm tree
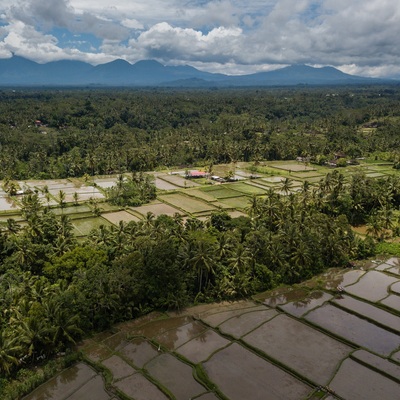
pixel 287 184
pixel 375 228
pixel 254 206
pixel 63 324
pixel 240 259
pixel 199 254
pixel 386 217
pixel 76 198
pixel 33 331
pixel 12 226
pixel 61 198
pixel 10 349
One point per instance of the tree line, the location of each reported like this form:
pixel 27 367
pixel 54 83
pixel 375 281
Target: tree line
pixel 68 133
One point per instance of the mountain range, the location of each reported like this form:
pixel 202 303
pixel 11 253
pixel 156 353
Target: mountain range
pixel 23 72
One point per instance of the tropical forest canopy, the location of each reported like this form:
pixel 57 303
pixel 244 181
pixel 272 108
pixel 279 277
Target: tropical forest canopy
pixel 55 289
pixel 66 133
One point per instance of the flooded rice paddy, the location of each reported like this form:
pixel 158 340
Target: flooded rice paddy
pixel 334 337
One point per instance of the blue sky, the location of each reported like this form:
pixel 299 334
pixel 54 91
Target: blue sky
pixel 229 36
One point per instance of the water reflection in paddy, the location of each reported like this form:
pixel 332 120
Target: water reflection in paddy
pixel 138 387
pixel 65 384
pixel 392 301
pixel 282 296
pixel 207 310
pixel 395 288
pixel 244 323
pixel 379 363
pixel 158 327
pixel 396 356
pixel 201 347
pixel 218 318
pixel 313 300
pixel 354 329
pixel 304 349
pixel 369 311
pixel 117 341
pixel 394 270
pixel 180 335
pixel 373 286
pixel 7 204
pixel 354 381
pixel 175 375
pixel 393 261
pixel 118 367
pixel 241 374
pixel 93 390
pixel 139 352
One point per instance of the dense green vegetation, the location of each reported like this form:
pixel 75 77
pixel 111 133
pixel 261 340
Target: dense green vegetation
pixel 64 133
pixel 54 290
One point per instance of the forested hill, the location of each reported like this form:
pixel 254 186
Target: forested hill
pixel 20 71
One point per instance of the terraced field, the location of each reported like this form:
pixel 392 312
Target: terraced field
pixel 334 337
pixel 189 198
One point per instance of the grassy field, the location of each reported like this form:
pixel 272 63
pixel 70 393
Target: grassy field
pixel 186 203
pixel 192 198
pixel 83 226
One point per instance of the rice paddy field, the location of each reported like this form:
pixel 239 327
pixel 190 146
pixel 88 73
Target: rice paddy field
pixel 312 341
pixel 175 194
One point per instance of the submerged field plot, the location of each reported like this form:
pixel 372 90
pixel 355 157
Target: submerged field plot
pixel 177 195
pixel 313 341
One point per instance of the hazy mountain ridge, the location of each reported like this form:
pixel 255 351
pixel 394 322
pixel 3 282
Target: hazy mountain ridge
pixel 21 71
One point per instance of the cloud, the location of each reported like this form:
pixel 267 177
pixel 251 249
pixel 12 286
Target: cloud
pixel 229 35
pixel 23 40
pixel 132 24
pixel 163 41
pixel 59 13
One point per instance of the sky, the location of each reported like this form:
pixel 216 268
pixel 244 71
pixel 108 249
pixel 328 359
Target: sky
pixel 359 37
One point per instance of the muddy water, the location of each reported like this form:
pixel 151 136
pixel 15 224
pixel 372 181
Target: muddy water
pixel 245 323
pixel 177 336
pixel 282 296
pixel 394 270
pixel 158 327
pixel 313 300
pixel 139 388
pixel 7 204
pixel 65 384
pixel 218 318
pixel 396 356
pixel 354 381
pixel 176 376
pixel 207 396
pixel 139 352
pixel 369 311
pixel 201 348
pixel 118 367
pixel 373 286
pixel 352 277
pixel 117 341
pixel 378 362
pixel 393 261
pixel 395 288
pixel 97 352
pixel 304 349
pixel 130 326
pixel 223 307
pixel 392 301
pixel 241 374
pixel 355 329
pixel 93 390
